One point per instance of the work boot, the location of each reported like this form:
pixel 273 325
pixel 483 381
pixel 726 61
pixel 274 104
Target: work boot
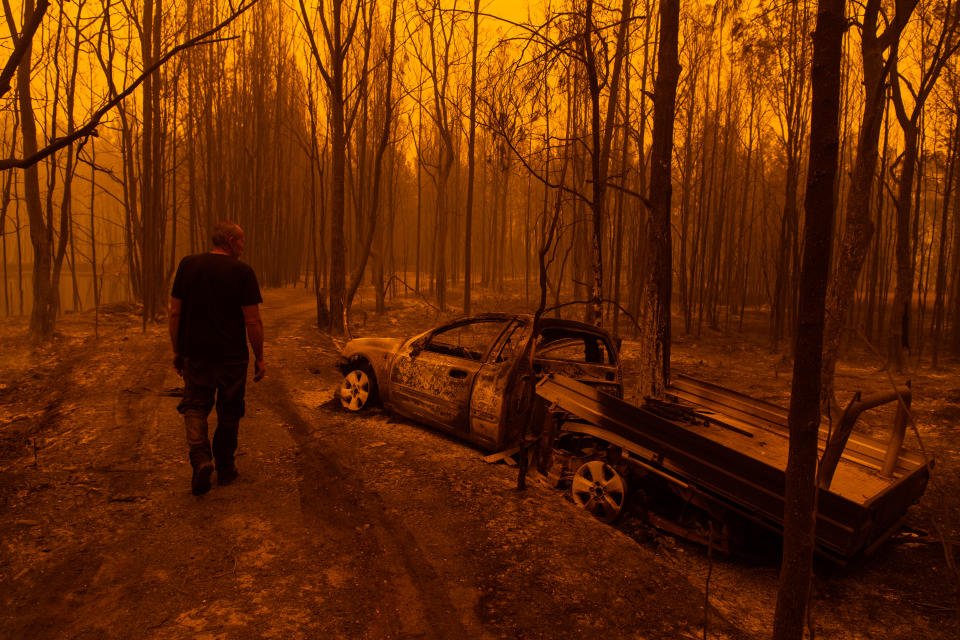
pixel 201 478
pixel 226 476
pixel 225 442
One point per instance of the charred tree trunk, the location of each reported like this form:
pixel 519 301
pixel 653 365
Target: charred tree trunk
pixel 338 161
pixel 601 135
pixel 656 373
pixel 898 334
pixel 338 37
pixel 46 298
pixel 471 165
pixel 804 418
pixel 939 300
pixel 947 43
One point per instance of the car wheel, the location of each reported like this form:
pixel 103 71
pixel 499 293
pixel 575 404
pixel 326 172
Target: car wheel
pixel 358 390
pixel 600 489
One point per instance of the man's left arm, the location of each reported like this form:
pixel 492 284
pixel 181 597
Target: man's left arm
pixel 173 314
pixel 251 317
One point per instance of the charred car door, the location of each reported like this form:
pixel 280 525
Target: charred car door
pixel 496 385
pixel 431 380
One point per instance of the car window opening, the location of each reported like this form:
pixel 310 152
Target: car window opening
pixel 469 341
pixel 572 347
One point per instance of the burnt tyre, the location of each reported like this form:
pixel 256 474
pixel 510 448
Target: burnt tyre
pixel 358 389
pixel 600 489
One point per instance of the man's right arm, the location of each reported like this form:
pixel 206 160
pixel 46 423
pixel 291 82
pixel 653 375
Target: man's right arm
pixel 251 317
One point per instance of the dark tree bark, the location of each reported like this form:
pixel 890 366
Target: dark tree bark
pixel 659 283
pixel 153 216
pixel 338 37
pixel 46 298
pixel 316 241
pixel 22 45
pixel 601 138
pixel 471 164
pixel 804 418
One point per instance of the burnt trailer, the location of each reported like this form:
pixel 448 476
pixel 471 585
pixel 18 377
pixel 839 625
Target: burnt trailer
pixel 724 455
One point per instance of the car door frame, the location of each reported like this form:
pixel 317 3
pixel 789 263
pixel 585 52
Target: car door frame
pixel 494 386
pixel 436 388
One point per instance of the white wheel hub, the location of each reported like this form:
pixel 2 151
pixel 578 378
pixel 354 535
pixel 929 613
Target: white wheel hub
pixel 355 390
pixel 598 488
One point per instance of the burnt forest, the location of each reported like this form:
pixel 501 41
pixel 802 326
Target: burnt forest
pixel 580 318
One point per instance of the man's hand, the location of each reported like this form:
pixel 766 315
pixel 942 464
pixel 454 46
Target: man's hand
pixel 259 370
pixel 178 363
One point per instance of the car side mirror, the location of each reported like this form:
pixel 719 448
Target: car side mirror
pixel 418 346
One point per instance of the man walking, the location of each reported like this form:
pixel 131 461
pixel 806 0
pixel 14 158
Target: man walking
pixel 213 309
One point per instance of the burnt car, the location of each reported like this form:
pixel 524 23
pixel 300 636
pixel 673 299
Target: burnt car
pixel 470 377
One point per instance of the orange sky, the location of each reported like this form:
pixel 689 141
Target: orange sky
pixel 514 10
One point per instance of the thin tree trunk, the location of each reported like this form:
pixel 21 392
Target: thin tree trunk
pixel 378 159
pixel 93 240
pixel 796 571
pixel 939 300
pixel 4 207
pixel 656 373
pixel 45 298
pixel 471 161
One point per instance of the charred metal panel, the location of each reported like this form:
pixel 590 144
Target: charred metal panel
pixel 486 401
pixel 581 353
pixel 843 526
pixel 604 378
pixel 379 352
pixel 433 388
pixel 490 397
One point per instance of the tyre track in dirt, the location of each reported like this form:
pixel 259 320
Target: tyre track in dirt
pixel 387 562
pixel 465 554
pixel 85 470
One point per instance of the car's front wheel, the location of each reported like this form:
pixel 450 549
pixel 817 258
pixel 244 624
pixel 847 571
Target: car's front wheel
pixel 358 390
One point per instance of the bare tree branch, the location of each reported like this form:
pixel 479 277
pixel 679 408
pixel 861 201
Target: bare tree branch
pixel 21 41
pixel 90 128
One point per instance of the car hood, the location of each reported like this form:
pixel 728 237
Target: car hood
pixel 371 347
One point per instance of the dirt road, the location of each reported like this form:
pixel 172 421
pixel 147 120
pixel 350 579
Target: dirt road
pixel 340 526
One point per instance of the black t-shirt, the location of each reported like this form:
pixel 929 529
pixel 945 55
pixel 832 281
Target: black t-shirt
pixel 214 288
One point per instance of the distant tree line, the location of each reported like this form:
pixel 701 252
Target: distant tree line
pixel 340 135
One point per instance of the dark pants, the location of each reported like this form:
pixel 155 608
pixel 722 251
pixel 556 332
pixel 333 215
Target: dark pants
pixel 207 382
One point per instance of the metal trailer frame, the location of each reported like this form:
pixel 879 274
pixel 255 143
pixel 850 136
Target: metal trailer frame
pixel 730 450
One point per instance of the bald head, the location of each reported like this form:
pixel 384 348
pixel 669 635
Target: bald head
pixel 228 237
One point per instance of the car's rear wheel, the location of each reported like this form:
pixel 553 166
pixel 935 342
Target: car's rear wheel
pixel 600 489
pixel 358 390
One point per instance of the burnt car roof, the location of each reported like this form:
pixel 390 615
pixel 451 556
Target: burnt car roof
pixel 573 324
pixel 545 322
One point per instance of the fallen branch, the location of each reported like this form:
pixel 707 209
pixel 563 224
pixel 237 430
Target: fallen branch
pixel 401 281
pixel 903 405
pixel 603 300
